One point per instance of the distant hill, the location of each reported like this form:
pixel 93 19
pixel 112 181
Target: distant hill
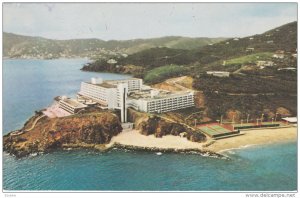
pixel 209 56
pixel 18 46
pixel 280 38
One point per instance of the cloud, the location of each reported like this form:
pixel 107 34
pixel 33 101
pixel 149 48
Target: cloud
pixel 144 20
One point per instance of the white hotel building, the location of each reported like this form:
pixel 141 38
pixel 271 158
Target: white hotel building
pixel 121 94
pixel 109 94
pixel 162 102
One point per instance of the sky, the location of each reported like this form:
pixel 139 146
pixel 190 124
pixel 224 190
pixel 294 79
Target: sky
pixel 123 21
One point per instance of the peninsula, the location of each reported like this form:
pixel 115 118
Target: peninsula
pixel 100 111
pixel 127 114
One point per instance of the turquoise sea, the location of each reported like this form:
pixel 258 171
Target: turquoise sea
pixel 29 85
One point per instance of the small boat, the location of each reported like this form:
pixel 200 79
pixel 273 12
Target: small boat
pixel 158 153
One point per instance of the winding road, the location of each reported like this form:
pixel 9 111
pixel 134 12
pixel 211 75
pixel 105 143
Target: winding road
pixel 34 123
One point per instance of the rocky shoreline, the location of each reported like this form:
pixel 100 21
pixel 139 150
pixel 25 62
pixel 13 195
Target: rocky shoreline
pixel 205 153
pixel 104 148
pixel 49 134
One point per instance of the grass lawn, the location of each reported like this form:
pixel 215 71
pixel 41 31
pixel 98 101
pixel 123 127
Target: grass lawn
pixel 162 73
pixel 252 58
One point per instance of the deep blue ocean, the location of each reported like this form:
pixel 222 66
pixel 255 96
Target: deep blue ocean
pixel 29 85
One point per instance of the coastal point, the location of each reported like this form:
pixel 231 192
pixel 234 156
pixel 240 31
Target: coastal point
pixel 150 97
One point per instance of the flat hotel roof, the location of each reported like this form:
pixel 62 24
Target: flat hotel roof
pixel 74 103
pixel 105 85
pixel 119 80
pixel 162 95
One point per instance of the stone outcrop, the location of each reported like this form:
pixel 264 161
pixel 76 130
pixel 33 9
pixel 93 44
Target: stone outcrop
pixel 50 134
pixel 159 127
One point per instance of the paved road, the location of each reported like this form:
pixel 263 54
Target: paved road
pixel 34 123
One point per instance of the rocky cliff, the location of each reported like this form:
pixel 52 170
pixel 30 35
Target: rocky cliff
pixel 148 125
pixel 86 130
pixel 159 127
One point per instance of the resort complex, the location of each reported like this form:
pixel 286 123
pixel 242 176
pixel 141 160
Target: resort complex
pixel 132 93
pixel 125 93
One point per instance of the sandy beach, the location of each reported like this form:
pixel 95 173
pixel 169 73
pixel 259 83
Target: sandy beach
pixel 255 137
pixel 250 137
pixel 134 138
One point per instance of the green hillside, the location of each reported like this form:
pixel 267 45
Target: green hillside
pixel 250 88
pixel 251 58
pixel 212 56
pixel 160 73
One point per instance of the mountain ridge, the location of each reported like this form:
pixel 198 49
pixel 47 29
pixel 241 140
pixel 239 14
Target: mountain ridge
pixel 19 46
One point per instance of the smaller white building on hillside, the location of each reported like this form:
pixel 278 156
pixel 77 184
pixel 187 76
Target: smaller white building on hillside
pixel 287 69
pixel 291 120
pixel 218 73
pixel 265 63
pixel 279 54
